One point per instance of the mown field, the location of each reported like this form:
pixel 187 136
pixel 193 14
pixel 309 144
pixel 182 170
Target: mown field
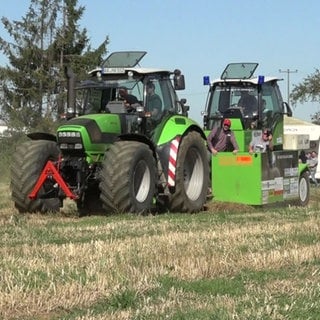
pixel 230 262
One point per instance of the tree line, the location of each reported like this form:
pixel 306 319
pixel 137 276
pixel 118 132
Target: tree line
pixel 46 40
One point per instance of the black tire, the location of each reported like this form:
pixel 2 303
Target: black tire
pixel 128 178
pixel 192 175
pixel 27 165
pixel 304 190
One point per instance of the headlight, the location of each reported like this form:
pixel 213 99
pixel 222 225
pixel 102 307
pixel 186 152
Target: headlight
pixel 70 140
pixel 71 146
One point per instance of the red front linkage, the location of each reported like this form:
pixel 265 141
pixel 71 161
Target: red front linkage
pixel 51 171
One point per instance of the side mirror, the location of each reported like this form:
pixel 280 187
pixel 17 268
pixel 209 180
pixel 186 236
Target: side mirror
pixel 178 80
pixel 286 109
pixel 185 109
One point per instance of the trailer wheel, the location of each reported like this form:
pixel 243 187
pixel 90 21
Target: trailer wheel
pixel 304 190
pixel 128 178
pixel 27 165
pixel 192 175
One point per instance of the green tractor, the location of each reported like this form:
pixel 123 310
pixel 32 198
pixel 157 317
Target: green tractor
pixel 253 104
pixel 111 156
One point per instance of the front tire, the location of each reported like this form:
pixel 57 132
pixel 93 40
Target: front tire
pixel 192 175
pixel 27 165
pixel 128 178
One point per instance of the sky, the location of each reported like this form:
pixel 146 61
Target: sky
pixel 200 37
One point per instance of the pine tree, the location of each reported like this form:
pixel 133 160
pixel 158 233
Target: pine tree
pixel 33 81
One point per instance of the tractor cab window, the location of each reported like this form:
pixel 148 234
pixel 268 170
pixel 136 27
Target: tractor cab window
pixel 226 97
pixel 232 101
pixel 247 101
pixel 97 97
pixel 235 101
pixel 154 99
pixel 88 101
pixel 271 103
pixel 133 88
pixel 158 97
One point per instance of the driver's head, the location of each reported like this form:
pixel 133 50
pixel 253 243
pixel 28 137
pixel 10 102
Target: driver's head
pixel 123 91
pixel 150 87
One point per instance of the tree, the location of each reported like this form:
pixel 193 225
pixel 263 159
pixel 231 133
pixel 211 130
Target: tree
pixel 33 82
pixel 71 47
pixel 308 90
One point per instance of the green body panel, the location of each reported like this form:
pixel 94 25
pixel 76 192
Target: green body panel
pixel 107 123
pixel 174 126
pixel 255 179
pixel 110 125
pixel 240 134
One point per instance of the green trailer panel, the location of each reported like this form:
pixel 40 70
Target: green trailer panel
pixel 255 179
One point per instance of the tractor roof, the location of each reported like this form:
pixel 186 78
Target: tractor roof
pixel 242 72
pixel 122 62
pixel 123 59
pixel 254 80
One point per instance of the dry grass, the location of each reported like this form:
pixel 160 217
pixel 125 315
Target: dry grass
pixel 231 262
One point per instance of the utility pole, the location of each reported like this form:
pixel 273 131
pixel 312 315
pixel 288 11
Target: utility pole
pixel 288 71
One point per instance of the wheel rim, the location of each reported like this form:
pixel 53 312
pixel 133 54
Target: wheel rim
pixel 141 181
pixel 193 174
pixel 303 189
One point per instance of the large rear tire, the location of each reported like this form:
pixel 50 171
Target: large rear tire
pixel 27 165
pixel 192 175
pixel 128 178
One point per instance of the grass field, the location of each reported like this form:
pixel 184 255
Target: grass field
pixel 230 262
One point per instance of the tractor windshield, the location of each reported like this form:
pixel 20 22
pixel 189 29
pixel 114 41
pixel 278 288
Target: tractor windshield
pixel 225 97
pixel 94 97
pixel 155 93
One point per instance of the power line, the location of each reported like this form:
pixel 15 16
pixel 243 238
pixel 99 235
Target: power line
pixel 288 71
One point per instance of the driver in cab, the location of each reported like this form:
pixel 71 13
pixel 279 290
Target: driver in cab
pixel 129 99
pixel 248 103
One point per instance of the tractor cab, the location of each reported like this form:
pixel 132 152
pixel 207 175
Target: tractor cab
pixel 140 96
pixel 253 103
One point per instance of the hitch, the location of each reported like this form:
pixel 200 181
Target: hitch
pixel 51 171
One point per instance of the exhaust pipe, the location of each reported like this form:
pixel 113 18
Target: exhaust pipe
pixel 71 97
